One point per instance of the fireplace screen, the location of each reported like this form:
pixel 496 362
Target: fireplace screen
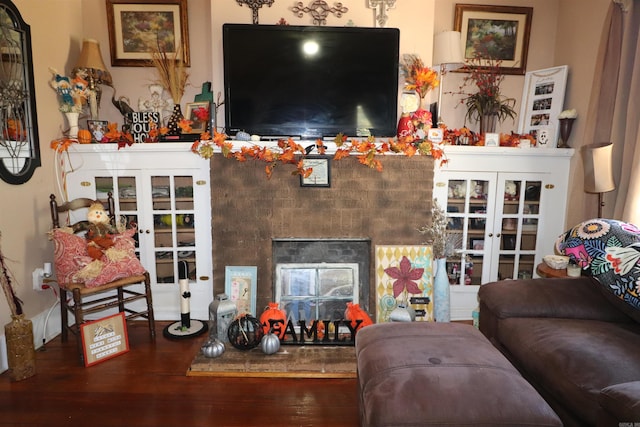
pixel 316 291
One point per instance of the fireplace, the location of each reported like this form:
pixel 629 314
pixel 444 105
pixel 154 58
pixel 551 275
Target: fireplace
pixel 316 278
pixel 362 207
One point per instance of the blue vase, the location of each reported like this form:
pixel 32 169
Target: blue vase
pixel 441 292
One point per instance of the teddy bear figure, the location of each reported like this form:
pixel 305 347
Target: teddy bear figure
pixel 99 232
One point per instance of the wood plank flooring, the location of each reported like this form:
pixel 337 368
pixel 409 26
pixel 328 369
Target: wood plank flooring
pixel 148 386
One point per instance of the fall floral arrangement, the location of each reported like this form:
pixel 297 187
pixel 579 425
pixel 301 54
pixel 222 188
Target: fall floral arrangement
pixel 486 76
pixel 417 76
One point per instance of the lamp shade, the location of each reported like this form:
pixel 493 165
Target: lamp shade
pixel 598 169
pixel 91 61
pixel 447 50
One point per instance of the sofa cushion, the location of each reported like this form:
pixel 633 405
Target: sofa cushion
pixel 621 401
pixel 574 359
pixel 608 250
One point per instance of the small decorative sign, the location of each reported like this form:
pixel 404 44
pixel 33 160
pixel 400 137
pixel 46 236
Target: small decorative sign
pixel 104 339
pixel 140 124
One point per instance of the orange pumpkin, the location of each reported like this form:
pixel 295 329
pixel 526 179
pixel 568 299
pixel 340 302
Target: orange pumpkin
pixel 84 136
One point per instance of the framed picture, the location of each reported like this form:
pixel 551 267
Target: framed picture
pixel 320 175
pixel 477 245
pixel 98 129
pixel 104 339
pixel 499 32
pixel 240 284
pixel 491 139
pixel 133 29
pixel 421 261
pixel 198 113
pixel 542 102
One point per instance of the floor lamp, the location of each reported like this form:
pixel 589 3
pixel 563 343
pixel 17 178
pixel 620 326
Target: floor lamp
pixel 598 170
pixel 447 55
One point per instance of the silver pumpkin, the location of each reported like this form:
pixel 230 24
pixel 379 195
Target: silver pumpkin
pixel 213 348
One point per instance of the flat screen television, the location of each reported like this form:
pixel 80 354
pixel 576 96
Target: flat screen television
pixel 310 82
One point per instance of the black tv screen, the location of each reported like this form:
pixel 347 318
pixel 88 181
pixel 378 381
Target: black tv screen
pixel 310 82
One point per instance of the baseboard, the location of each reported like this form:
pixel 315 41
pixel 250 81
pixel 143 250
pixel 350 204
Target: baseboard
pixel 46 326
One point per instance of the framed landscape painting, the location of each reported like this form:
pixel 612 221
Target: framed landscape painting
pixel 496 33
pixel 135 26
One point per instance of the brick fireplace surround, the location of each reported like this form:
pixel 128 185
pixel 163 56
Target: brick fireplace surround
pixel 249 210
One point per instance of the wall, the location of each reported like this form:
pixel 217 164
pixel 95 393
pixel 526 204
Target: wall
pixel 24 219
pixel 582 62
pixel 250 210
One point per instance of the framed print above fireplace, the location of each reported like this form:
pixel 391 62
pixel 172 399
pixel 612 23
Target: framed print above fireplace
pixel 137 25
pixel 496 33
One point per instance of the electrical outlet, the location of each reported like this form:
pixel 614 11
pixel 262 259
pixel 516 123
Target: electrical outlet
pixel 38 279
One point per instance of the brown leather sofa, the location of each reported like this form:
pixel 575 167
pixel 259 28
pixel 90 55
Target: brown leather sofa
pixel 577 345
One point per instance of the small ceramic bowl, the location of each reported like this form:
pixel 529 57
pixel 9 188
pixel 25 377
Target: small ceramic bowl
pixel 557 262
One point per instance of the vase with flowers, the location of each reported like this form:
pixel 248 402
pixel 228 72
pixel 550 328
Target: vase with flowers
pixel 487 106
pixel 437 236
pixel 421 80
pixel 72 97
pixel 173 77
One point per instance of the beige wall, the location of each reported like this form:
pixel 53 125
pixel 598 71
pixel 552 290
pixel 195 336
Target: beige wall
pixel 23 217
pixel 58 30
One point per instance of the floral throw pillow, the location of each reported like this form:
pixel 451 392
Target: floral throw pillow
pixel 73 264
pixel 608 250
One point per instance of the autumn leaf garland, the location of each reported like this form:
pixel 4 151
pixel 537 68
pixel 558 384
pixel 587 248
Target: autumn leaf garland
pixel 290 152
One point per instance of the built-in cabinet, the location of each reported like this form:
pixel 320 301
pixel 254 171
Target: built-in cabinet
pixel 162 189
pixel 505 209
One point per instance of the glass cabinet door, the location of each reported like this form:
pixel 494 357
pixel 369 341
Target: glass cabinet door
pixel 174 218
pixel 469 209
pixel 517 219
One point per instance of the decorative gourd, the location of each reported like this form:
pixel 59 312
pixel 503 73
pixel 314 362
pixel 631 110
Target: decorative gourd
pixel 270 343
pixel 274 319
pixel 213 348
pixel 84 136
pixel 245 332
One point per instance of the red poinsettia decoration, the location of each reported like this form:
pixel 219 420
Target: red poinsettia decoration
pixel 405 276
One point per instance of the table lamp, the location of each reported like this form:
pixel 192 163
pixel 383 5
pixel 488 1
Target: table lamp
pixel 95 72
pixel 447 54
pixel 598 170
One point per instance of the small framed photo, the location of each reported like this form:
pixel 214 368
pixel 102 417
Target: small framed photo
pixel 240 284
pixel 491 139
pixel 104 339
pixel 135 24
pixel 198 113
pixel 320 175
pixel 477 245
pixel 98 129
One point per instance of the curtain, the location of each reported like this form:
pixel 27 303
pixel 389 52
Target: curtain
pixel 626 125
pixel 614 109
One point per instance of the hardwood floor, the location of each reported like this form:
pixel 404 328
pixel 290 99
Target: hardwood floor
pixel 148 386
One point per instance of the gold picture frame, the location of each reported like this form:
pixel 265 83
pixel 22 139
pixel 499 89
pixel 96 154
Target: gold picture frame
pixel 502 30
pixel 129 41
